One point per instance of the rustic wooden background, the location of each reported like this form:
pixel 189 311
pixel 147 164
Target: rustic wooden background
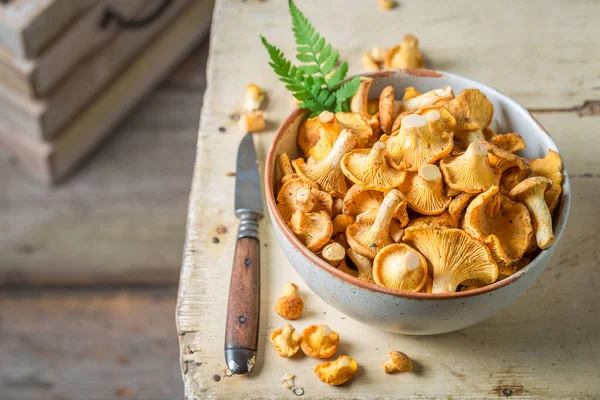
pixel 88 270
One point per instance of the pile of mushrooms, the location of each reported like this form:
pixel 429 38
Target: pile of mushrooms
pixel 419 194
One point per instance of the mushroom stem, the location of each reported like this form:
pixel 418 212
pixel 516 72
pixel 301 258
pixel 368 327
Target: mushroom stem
pixel 287 331
pixel 334 253
pixel 542 220
pixel 443 283
pixel 290 289
pixel 343 145
pixel 304 200
pixel 324 330
pixel 431 175
pixel 284 164
pixel 427 99
pixel 389 366
pixel 381 226
pixel 363 264
pixel 376 156
pixel 359 101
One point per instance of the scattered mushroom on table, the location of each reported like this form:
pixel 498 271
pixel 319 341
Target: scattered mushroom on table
pixel 418 194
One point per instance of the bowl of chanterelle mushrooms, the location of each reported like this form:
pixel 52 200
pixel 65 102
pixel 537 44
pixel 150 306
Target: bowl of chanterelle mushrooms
pixel 434 203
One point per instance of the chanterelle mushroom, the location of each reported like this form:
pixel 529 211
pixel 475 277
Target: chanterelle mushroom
pixel 254 97
pixel 473 112
pixel 503 160
pixel 367 238
pixel 336 372
pixel 454 256
pixel 340 223
pixel 363 264
pixel 404 55
pixel 531 192
pixel 327 173
pixel 296 194
pixel 356 123
pixel 390 109
pixel 398 362
pixel 289 305
pixel 424 190
pixel 328 133
pixel 319 341
pixel 334 253
pixel 502 224
pixel 369 169
pixel 419 141
pixel 313 229
pixel 309 134
pixel 400 267
pixel 470 172
pixel 509 142
pixel 550 167
pixel 286 341
pixel 449 218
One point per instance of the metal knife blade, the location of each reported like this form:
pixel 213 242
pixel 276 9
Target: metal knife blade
pixel 241 331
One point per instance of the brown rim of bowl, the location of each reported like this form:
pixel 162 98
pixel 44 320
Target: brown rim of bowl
pixel 272 204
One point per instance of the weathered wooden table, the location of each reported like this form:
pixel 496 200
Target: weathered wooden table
pixel 546 345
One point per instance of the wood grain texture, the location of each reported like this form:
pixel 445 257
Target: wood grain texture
pixel 121 220
pixel 545 346
pixel 241 329
pixel 96 345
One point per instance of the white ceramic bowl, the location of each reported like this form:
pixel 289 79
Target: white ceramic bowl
pixel 404 312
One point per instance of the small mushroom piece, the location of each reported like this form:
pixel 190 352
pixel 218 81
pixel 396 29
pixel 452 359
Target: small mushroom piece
pixel 369 169
pixel 410 93
pixel 424 190
pixel 390 109
pixel 550 167
pixel 337 206
pixel 404 55
pixel 285 167
pixel 286 341
pixel 309 135
pixel 336 372
pixel 252 122
pixel 378 54
pixel 367 238
pixel 328 133
pixel 504 225
pixel 503 160
pixel 296 194
pixel 289 305
pixel 470 172
pixel 418 142
pixel 428 287
pixel 368 63
pixel 327 173
pixel 359 201
pixel 312 229
pixel 340 223
pixel 387 4
pixel 473 112
pixel 509 142
pixel 454 256
pixel 334 253
pixel 254 97
pixel 398 362
pixel 531 192
pixel 363 264
pixel 319 341
pixel 287 381
pixel 400 267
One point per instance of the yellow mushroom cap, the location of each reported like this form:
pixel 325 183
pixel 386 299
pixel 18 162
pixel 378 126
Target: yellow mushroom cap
pixel 296 194
pixel 418 142
pixel 448 218
pixel 313 229
pixel 357 124
pixel 454 256
pixel 470 172
pixel 370 169
pixel 503 160
pixel 509 142
pixel 550 167
pixel 472 110
pixel 424 190
pixel 511 178
pixel 286 341
pixel 336 372
pixel 289 305
pixel 309 134
pixel 400 267
pixel 329 131
pixel 404 55
pixel 531 192
pixel 359 200
pixel 367 238
pixel 410 93
pixel 398 362
pixel 504 225
pixel 340 223
pixel 319 341
pixel 435 96
pixel 327 173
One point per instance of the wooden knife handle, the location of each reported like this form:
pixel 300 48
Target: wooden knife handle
pixel 241 332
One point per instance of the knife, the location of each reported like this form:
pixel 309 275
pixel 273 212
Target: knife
pixel 241 330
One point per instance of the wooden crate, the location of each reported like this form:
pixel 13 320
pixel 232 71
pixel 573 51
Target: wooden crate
pixel 50 161
pixel 39 75
pixel 47 117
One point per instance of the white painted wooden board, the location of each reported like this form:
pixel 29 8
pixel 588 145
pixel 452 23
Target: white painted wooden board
pixel 545 346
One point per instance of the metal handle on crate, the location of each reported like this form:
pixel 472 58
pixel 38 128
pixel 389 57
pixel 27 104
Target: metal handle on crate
pixel 111 15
